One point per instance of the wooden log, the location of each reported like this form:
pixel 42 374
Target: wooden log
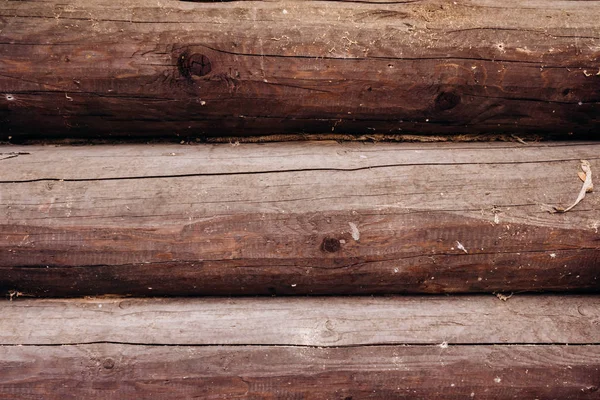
pixel 313 321
pixel 296 218
pixel 210 348
pixel 225 372
pixel 182 69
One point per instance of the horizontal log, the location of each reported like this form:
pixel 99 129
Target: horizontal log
pixel 183 69
pixel 296 218
pixel 289 321
pixel 225 372
pixel 340 348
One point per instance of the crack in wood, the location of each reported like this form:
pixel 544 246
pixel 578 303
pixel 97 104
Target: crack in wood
pixel 279 171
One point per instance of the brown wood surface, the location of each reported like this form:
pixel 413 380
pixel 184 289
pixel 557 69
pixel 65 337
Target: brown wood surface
pixel 313 321
pixel 119 371
pixel 178 69
pixel 479 347
pixel 296 218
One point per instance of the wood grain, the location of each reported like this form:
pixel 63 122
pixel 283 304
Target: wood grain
pixel 183 69
pixel 259 372
pixel 296 218
pixel 322 322
pixel 311 348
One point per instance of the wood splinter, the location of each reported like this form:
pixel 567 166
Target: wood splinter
pixel 588 186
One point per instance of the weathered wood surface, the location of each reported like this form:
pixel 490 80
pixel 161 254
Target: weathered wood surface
pixel 322 322
pixel 147 68
pixel 268 372
pixel 336 348
pixel 296 218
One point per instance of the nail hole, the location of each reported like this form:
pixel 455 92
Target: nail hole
pixel 10 97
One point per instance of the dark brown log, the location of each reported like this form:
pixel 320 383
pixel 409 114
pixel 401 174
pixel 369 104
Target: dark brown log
pixel 336 348
pixel 178 69
pixel 296 218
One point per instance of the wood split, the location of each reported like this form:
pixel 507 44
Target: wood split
pixel 14 293
pixel 518 139
pixel 586 176
pixel 504 297
pixel 6 156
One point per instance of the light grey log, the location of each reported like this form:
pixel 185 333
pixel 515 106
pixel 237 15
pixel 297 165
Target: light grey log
pixel 323 322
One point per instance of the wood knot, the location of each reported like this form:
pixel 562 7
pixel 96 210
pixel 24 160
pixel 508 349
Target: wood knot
pixel 331 245
pixel 194 65
pixel 109 363
pixel 446 101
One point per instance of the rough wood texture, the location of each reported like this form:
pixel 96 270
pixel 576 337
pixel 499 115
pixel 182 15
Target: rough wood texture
pixel 264 372
pixel 340 348
pixel 141 67
pixel 296 218
pixel 319 322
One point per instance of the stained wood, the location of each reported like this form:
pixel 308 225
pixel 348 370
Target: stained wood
pixel 322 322
pixel 225 372
pixel 180 69
pixel 306 219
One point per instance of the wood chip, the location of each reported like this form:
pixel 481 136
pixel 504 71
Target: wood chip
pixel 587 187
